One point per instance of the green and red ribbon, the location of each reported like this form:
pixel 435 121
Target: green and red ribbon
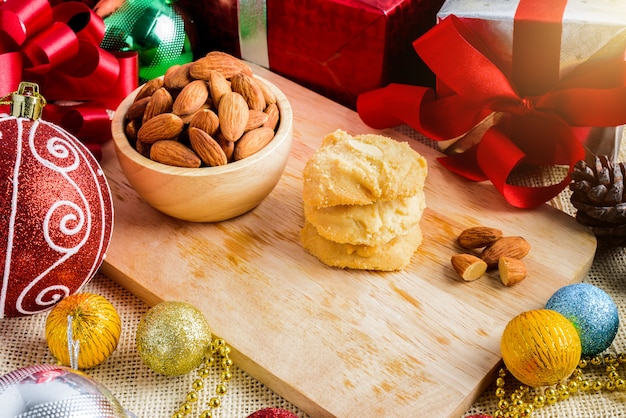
pixel 546 117
pixel 59 49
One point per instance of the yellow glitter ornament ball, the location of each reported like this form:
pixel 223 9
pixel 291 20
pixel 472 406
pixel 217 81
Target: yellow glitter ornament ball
pixel 90 324
pixel 540 347
pixel 172 338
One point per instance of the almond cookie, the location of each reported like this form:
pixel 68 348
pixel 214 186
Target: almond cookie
pixel 374 224
pixel 392 256
pixel 360 170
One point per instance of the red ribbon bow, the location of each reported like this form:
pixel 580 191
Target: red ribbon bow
pixel 545 115
pixel 59 49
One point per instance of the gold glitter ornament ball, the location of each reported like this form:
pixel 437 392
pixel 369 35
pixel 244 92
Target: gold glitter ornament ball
pixel 95 329
pixel 540 347
pixel 172 338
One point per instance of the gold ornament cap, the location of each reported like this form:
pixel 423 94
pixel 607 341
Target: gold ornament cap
pixel 26 102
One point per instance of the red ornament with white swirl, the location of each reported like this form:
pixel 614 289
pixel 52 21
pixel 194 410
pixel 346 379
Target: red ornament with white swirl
pixel 56 210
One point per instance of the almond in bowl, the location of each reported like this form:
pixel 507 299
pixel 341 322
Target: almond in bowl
pixel 206 142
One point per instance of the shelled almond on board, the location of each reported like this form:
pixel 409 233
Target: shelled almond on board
pixel 494 251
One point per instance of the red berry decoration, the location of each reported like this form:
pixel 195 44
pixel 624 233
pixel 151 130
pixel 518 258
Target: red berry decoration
pixel 272 413
pixel 57 212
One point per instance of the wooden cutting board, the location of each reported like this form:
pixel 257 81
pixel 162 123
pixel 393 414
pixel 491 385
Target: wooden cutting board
pixel 337 342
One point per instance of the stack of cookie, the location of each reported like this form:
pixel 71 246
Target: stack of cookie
pixel 363 200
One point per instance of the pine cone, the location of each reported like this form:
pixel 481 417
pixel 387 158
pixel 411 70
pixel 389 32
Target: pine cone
pixel 598 195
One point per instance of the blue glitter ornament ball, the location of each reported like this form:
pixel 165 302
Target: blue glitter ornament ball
pixel 593 313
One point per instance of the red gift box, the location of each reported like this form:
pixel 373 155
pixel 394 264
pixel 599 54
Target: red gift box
pixel 547 78
pixel 338 48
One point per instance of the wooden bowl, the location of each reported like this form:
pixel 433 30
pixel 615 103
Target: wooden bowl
pixel 206 194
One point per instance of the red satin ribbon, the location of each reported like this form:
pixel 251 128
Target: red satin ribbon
pixel 541 109
pixel 59 49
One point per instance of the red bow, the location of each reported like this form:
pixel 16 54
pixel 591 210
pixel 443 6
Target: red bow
pixel 59 49
pixel 541 110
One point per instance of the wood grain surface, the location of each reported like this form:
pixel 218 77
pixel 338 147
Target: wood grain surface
pixel 339 342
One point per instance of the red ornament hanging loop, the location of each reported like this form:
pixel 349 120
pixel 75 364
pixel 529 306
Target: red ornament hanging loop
pixel 26 102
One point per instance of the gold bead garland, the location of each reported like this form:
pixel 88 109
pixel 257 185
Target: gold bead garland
pixel 217 348
pixel 524 400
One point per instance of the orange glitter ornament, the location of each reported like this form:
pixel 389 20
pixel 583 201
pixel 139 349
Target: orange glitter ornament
pixel 540 347
pixel 86 324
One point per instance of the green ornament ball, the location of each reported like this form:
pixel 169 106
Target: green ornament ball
pixel 157 30
pixel 172 338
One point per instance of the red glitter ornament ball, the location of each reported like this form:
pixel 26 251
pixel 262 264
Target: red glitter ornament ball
pixel 56 215
pixel 272 413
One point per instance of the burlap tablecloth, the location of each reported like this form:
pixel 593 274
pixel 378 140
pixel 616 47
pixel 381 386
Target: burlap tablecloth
pixel 149 395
